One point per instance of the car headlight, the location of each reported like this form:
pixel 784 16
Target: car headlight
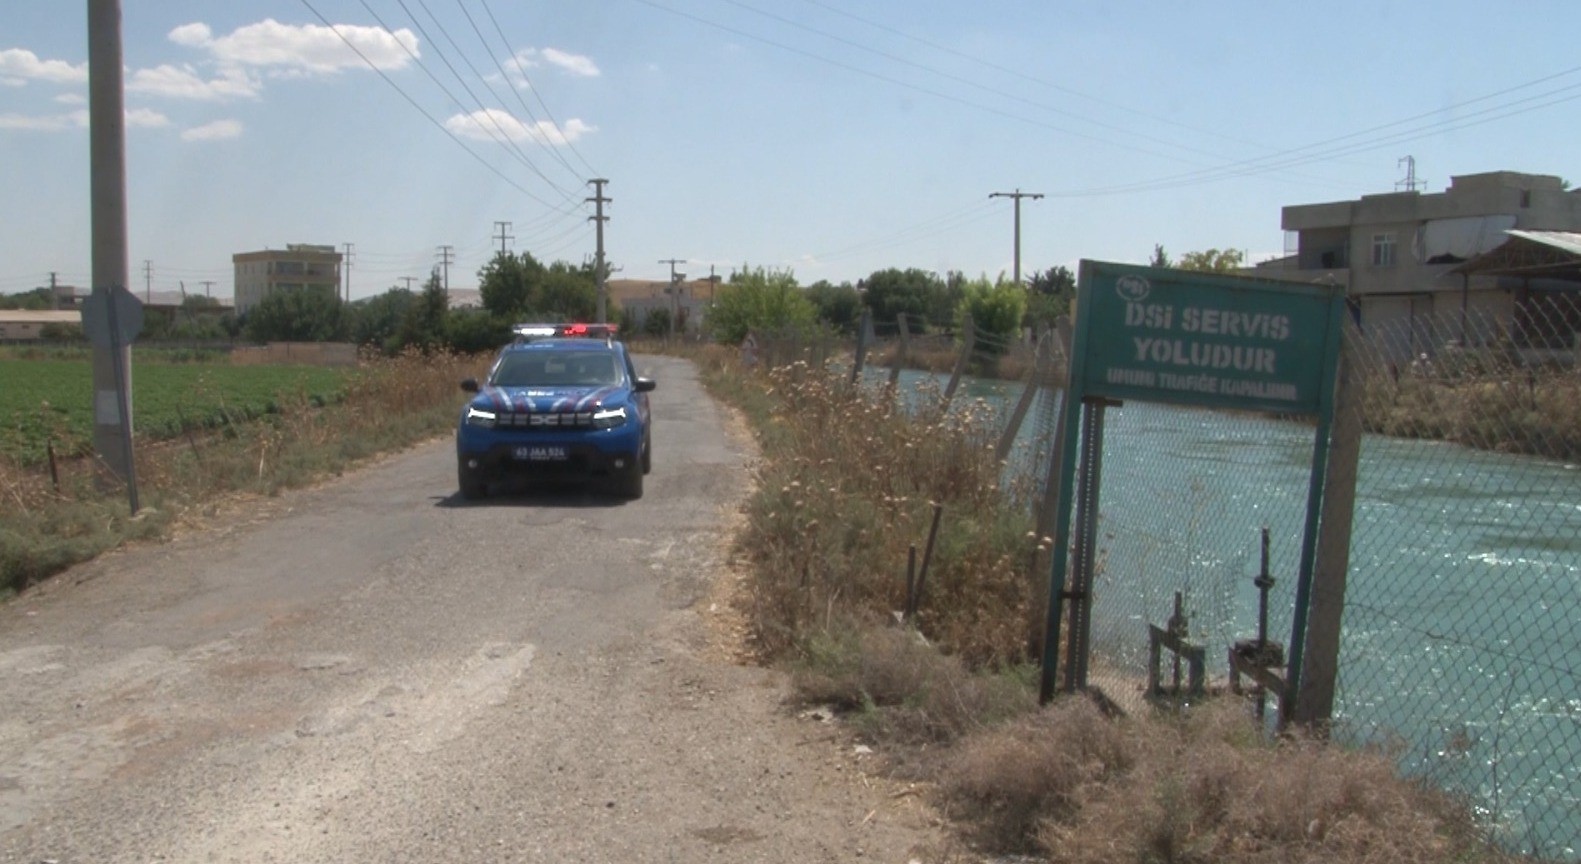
pixel 609 418
pixel 476 417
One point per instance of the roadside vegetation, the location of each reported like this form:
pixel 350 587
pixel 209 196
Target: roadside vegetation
pixel 847 485
pixel 252 430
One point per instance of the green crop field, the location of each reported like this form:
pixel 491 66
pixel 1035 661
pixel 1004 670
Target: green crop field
pixel 52 400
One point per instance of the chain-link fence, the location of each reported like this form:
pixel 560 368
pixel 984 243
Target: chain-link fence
pixel 1459 640
pixel 1459 644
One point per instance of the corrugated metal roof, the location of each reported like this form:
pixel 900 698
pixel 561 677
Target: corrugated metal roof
pixel 1568 241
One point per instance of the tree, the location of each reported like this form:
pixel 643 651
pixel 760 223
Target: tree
pixel 472 331
pixel 312 314
pixel 566 293
pixel 839 306
pixel 996 309
pixel 1049 295
pixel 423 325
pixel 893 292
pixel 759 300
pixel 1160 257
pixel 509 284
pixel 1213 260
pixel 35 300
pixel 377 320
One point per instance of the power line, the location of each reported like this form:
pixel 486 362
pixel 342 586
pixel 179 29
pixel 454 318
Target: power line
pixel 413 102
pixel 534 89
pixel 505 76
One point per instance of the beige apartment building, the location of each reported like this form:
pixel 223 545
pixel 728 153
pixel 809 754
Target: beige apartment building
pixel 1410 259
pixel 297 267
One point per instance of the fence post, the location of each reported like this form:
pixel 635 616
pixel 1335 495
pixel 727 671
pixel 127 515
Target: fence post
pixel 1320 660
pixel 863 334
pixel 905 350
pixel 1007 439
pixel 961 361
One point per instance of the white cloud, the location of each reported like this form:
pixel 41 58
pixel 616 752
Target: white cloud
pixel 72 99
pixel 576 64
pixel 51 123
pixel 303 48
pixel 219 130
pixel 516 65
pixel 184 83
pixel 145 118
pixel 490 124
pixel 195 35
pixel 21 64
pixel 138 117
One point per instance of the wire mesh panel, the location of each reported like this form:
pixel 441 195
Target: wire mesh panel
pixel 1460 638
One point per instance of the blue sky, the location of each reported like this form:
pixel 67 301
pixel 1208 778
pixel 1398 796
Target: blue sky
pixel 831 137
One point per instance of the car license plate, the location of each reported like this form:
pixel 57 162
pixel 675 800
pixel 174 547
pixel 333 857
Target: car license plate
pixel 540 454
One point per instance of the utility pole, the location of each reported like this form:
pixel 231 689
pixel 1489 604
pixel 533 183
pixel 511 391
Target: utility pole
pixel 447 254
pixel 206 286
pixel 600 274
pixel 1017 195
pixel 54 294
pixel 502 236
pixel 148 281
pixel 349 247
pixel 408 280
pixel 674 290
pixel 112 364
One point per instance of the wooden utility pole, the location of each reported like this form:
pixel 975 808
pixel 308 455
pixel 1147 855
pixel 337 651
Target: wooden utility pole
pixel 502 236
pixel 1017 196
pixel 600 270
pixel 674 289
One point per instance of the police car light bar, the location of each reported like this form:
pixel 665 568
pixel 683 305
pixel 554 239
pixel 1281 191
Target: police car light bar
pixel 540 331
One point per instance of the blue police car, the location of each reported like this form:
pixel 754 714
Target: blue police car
pixel 563 400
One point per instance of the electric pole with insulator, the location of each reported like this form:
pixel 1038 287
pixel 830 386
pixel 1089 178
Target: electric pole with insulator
pixel 600 275
pixel 1017 196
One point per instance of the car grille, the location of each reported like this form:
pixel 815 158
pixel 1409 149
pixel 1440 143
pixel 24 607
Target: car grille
pixel 544 420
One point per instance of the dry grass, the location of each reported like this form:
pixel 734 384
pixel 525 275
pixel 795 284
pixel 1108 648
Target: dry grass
pixel 847 482
pixel 1536 412
pixel 1078 786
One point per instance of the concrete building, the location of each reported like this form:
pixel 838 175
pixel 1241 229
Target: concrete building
pixel 17 325
pixel 297 267
pixel 687 301
pixel 1401 256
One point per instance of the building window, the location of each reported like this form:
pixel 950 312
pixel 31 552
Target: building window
pixel 1383 250
pixel 1526 198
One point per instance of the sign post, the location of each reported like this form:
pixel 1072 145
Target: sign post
pixel 1204 339
pixel 111 319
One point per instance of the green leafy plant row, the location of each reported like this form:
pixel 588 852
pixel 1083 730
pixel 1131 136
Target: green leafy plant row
pixel 50 400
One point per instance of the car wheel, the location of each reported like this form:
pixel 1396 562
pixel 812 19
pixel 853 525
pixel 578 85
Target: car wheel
pixel 647 455
pixel 472 486
pixel 629 484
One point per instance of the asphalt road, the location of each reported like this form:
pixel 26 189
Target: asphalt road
pixel 375 671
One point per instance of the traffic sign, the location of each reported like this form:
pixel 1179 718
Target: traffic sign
pixel 116 308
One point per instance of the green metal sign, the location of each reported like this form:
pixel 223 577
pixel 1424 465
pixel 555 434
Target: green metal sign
pixel 1163 335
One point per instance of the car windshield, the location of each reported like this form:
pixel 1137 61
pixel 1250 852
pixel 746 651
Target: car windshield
pixel 557 369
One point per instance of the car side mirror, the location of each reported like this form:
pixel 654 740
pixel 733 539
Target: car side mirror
pixel 469 384
pixel 645 384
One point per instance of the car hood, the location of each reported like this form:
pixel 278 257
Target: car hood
pixel 546 399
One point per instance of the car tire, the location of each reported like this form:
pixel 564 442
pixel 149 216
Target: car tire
pixel 628 484
pixel 647 455
pixel 472 487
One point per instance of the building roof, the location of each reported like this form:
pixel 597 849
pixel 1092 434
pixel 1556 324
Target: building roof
pixel 40 316
pixel 1531 254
